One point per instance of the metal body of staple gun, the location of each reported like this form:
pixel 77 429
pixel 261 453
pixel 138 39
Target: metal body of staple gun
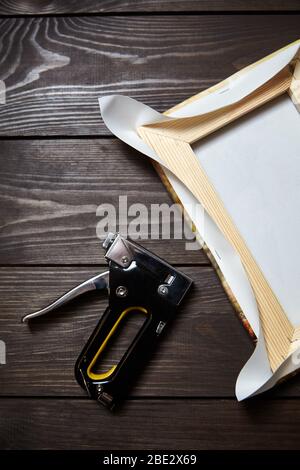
pixel 137 281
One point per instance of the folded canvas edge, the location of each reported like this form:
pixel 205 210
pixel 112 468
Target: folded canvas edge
pixel 290 370
pixel 122 127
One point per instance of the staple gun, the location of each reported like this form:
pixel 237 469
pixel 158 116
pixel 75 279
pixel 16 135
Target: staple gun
pixel 137 281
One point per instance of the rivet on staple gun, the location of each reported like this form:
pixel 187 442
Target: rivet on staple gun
pixel 137 281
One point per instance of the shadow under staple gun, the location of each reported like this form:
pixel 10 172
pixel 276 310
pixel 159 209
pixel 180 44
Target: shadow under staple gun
pixel 137 281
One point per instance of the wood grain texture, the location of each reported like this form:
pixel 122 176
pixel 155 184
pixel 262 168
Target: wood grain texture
pixel 295 86
pixel 158 424
pixel 56 68
pixel 50 191
pixel 55 7
pixel 197 356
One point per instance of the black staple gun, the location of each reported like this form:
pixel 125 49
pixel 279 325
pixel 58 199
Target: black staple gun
pixel 137 281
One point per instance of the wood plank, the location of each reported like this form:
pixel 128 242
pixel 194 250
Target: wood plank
pixel 50 191
pixel 54 69
pixel 150 424
pixel 200 354
pixel 54 7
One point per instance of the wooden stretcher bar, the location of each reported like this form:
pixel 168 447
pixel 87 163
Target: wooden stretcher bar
pixel 172 141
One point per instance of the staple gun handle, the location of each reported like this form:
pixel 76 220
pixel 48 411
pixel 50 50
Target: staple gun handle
pixel 99 282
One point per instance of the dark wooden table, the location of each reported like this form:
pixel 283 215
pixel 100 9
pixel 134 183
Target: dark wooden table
pixel 58 163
